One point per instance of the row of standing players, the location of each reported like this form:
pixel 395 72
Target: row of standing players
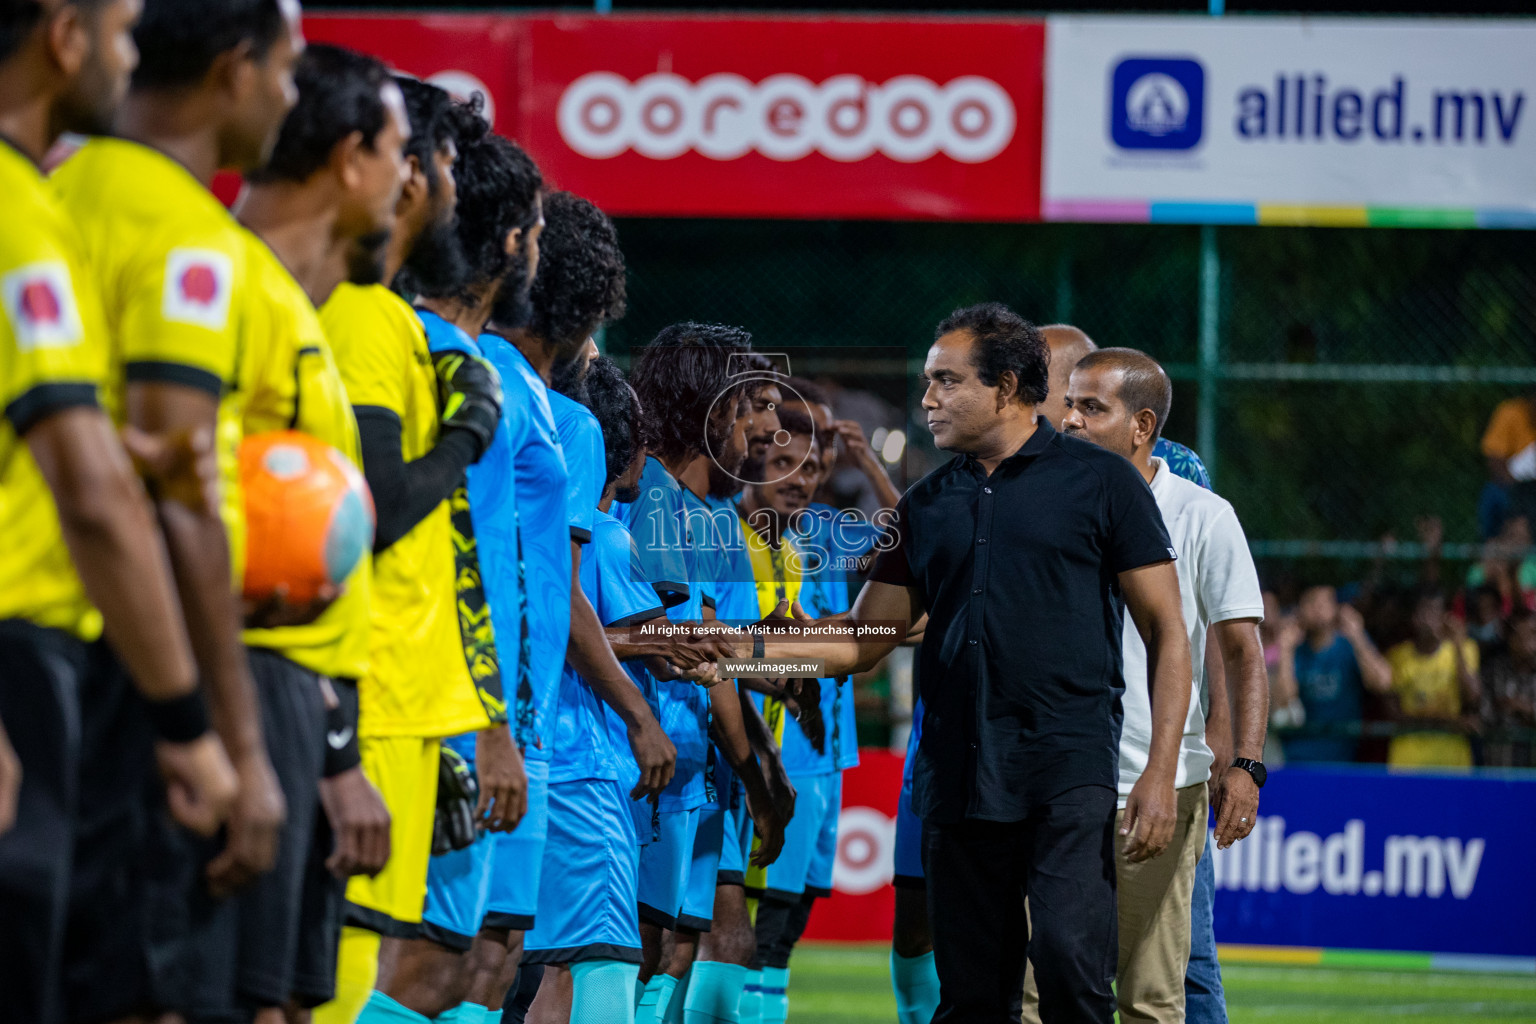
pixel 199 775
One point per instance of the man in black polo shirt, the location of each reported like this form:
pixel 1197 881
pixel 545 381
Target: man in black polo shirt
pixel 1023 551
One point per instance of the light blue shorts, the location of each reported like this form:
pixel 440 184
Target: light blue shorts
pixel 737 845
pixel 518 859
pixel 810 841
pixel 591 874
pixel 909 843
pixel 665 866
pixel 458 886
pixel 703 870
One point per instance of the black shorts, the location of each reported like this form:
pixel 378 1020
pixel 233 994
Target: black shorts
pixel 41 671
pixel 145 934
pixel 261 967
pixel 320 915
pixel 137 897
pixel 273 909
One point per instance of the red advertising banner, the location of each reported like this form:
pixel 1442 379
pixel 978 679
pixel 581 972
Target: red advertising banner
pixel 790 117
pixel 807 117
pixel 863 901
pixel 463 53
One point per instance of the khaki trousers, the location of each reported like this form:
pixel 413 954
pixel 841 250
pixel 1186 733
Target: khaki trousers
pixel 1153 900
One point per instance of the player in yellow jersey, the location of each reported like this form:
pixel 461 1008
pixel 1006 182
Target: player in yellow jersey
pixel 80 547
pixel 317 210
pixel 434 670
pixel 168 259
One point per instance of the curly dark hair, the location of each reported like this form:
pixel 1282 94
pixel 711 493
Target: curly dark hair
pixel 433 124
pixel 498 193
pixel 762 370
pixel 683 374
pixel 340 92
pixel 581 272
pixel 612 401
pixel 1004 342
pixel 179 39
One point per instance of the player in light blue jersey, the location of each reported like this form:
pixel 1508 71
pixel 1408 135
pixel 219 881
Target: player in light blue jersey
pixel 692 404
pixel 554 518
pixel 605 729
pixel 817 747
pixel 587 936
pixel 428 973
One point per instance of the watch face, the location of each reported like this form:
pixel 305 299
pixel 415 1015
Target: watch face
pixel 1258 771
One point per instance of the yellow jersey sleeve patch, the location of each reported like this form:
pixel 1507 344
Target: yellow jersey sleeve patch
pixel 40 306
pixel 177 315
pixel 197 288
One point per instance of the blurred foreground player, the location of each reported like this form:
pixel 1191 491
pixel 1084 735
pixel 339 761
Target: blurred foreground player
pixel 83 551
pixel 320 209
pixel 209 93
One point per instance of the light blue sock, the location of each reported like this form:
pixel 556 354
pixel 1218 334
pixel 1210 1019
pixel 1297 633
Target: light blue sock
pixel 492 1017
pixel 916 983
pixel 751 1011
pixel 775 988
pixel 602 992
pixel 654 1000
pixel 714 993
pixel 381 1009
pixel 674 1009
pixel 464 1013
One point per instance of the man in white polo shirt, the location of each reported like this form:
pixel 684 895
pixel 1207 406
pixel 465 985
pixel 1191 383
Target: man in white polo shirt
pixel 1119 399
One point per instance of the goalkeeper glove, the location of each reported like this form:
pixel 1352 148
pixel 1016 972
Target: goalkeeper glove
pixel 458 793
pixel 469 393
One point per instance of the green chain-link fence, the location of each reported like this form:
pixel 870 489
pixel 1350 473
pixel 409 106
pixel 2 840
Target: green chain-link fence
pixel 1347 378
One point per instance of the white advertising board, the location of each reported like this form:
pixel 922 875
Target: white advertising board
pixel 1290 120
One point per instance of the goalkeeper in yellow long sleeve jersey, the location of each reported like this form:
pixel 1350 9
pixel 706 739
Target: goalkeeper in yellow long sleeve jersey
pixel 434 668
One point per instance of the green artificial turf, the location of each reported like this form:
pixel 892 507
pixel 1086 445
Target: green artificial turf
pixel 835 984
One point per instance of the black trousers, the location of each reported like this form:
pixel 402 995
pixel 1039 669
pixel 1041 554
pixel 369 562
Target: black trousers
pixel 979 873
pixel 41 674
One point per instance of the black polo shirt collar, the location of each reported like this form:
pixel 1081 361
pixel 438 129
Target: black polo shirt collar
pixel 1032 447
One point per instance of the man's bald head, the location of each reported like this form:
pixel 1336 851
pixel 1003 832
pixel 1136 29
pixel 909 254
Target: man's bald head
pixel 1068 346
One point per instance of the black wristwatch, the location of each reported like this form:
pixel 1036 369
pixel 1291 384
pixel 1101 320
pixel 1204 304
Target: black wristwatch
pixel 757 646
pixel 1254 768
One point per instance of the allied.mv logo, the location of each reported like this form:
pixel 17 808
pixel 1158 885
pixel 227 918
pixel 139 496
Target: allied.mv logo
pixel 1157 103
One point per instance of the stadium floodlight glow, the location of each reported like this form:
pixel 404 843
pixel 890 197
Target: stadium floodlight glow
pixel 786 117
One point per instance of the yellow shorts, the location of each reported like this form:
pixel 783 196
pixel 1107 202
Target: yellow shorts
pixel 1430 750
pixel 404 768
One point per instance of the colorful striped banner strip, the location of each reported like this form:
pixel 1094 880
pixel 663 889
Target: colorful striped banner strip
pixel 1382 960
pixel 1159 211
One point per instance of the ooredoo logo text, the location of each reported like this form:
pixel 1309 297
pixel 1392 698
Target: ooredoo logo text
pixel 786 117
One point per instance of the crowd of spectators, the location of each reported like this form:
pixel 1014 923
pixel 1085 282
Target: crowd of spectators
pixel 1437 672
pixel 1417 674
